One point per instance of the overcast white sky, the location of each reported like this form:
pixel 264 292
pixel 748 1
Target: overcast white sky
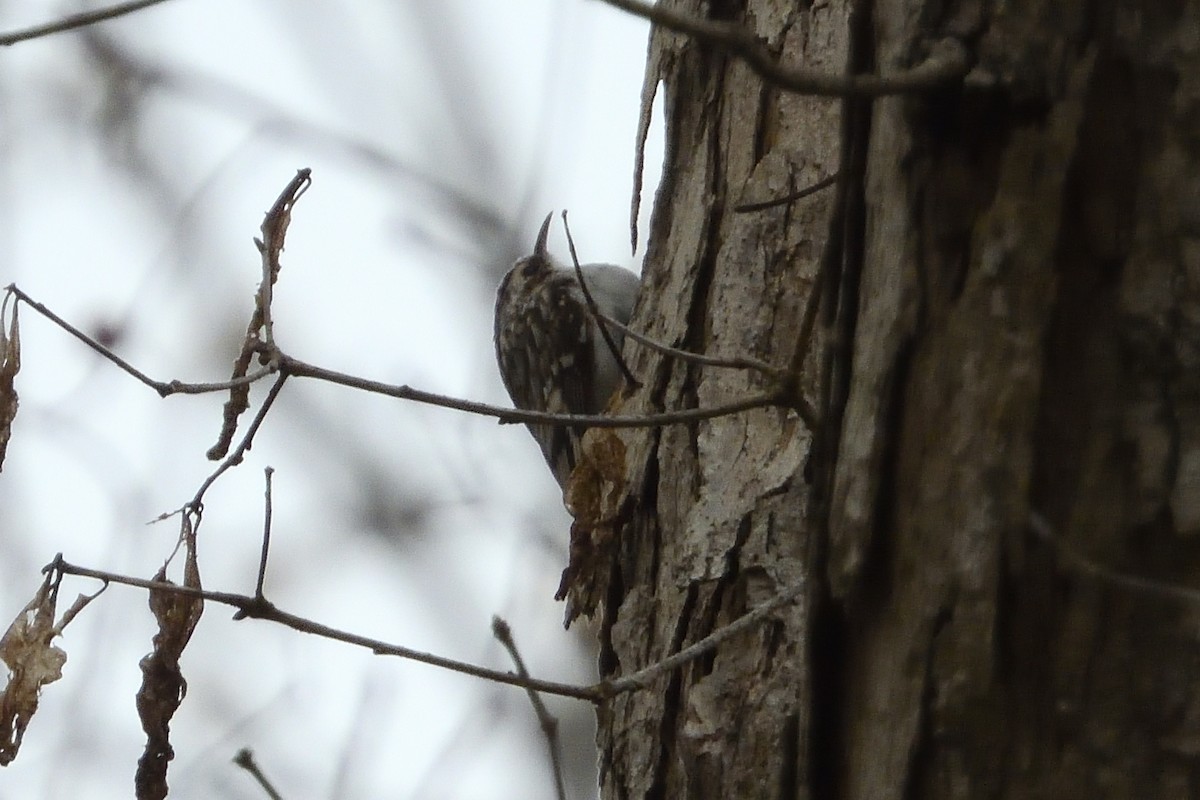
pixel 136 161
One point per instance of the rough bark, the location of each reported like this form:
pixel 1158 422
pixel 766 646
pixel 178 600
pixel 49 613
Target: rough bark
pixel 1011 328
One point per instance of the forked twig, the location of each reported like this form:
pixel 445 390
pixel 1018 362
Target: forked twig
pixel 163 388
pixel 261 608
pixel 239 452
pixel 258 608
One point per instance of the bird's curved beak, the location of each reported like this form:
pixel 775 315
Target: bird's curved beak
pixel 539 247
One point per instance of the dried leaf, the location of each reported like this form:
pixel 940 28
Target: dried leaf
pixel 32 663
pixel 10 365
pixel 163 685
pixel 590 498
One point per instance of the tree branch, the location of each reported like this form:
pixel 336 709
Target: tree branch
pixel 76 21
pixel 163 388
pixel 294 366
pixel 643 677
pixel 946 64
pixel 508 416
pixel 260 608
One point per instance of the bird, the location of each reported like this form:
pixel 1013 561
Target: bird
pixel 549 348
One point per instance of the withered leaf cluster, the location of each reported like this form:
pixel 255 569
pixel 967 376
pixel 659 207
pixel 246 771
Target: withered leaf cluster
pixel 32 662
pixel 10 365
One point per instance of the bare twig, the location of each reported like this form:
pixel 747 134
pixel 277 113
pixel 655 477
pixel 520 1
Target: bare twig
pixel 259 341
pixel 245 760
pixel 1084 565
pixel 81 602
pixel 787 381
pixel 946 64
pixel 630 381
pixel 735 362
pixel 76 21
pixel 196 505
pixel 507 416
pixel 548 722
pixel 790 197
pixel 294 366
pixel 164 388
pixel 260 608
pixel 197 502
pixel 643 677
pixel 268 472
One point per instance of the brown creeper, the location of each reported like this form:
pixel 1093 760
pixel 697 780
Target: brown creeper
pixel 551 353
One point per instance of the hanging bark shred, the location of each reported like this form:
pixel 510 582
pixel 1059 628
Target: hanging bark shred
pixel 163 685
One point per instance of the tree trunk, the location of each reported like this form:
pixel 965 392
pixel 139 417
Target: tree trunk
pixel 1007 376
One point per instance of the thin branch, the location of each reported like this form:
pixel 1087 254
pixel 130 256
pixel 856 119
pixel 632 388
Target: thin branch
pixel 268 472
pixel 1084 565
pixel 946 64
pixel 261 608
pixel 76 21
pixel 245 760
pixel 163 388
pixel 301 369
pixel 631 382
pixel 274 229
pixel 736 362
pixel 280 362
pixel 81 602
pixel 507 416
pixel 788 380
pixel 643 677
pixel 791 197
pixel 258 608
pixel 235 458
pixel 548 722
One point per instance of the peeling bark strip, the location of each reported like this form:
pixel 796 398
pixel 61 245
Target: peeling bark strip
pixel 1025 338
